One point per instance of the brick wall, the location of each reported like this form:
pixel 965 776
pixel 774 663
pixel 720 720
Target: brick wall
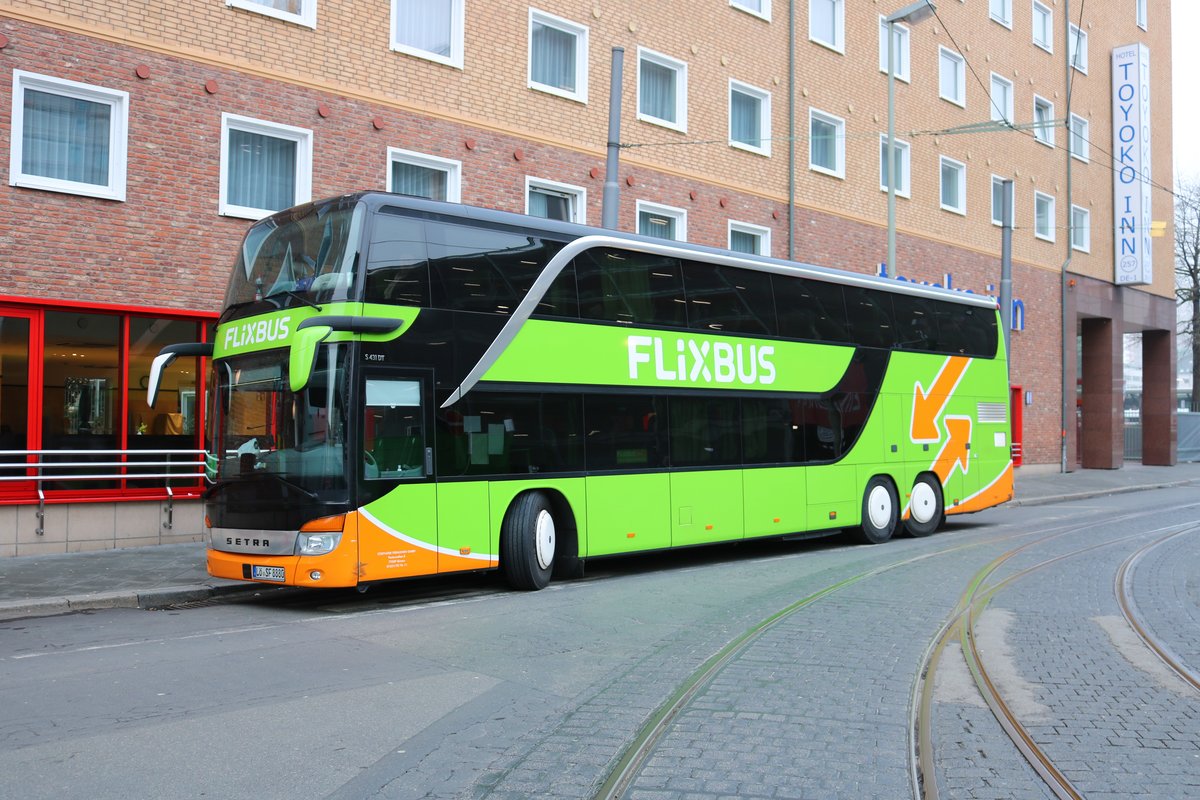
pixel 168 246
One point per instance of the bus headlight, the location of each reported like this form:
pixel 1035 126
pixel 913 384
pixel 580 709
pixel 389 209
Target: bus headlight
pixel 318 544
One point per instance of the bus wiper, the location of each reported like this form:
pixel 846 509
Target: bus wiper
pixel 296 296
pixel 291 485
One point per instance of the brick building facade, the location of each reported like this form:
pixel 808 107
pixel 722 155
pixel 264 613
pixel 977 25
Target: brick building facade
pixel 359 87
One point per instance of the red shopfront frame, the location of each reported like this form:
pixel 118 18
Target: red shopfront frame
pixel 30 408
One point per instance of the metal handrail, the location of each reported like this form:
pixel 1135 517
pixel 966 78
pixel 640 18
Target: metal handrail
pixel 120 467
pixel 120 471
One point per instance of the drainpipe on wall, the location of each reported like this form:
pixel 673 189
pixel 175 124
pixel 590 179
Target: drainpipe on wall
pixel 791 214
pixel 1068 333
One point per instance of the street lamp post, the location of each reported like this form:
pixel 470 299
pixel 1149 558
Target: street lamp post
pixel 912 13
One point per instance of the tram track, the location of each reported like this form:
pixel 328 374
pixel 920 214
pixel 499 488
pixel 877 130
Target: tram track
pixel 1124 591
pixel 628 764
pixel 961 626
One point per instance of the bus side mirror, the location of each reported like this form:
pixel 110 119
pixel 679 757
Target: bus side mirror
pixel 302 358
pixel 164 359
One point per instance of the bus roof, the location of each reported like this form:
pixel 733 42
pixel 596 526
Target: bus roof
pixel 569 231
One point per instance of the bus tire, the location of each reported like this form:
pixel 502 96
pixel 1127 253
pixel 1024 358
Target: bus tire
pixel 528 540
pixel 880 511
pixel 926 508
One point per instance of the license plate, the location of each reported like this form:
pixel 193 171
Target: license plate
pixel 268 573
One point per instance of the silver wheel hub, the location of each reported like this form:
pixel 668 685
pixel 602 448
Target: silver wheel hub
pixel 879 507
pixel 543 539
pixel 924 503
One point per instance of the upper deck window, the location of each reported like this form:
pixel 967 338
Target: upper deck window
pixel 308 252
pixel 464 268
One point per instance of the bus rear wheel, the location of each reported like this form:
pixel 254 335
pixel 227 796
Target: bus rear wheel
pixel 926 508
pixel 880 511
pixel 528 540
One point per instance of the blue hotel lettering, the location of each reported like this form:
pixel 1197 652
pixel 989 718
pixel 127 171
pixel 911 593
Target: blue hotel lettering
pixel 1018 305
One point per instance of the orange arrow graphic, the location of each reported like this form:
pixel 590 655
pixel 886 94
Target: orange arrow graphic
pixel 928 405
pixel 954 451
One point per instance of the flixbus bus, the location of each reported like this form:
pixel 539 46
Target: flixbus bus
pixel 403 387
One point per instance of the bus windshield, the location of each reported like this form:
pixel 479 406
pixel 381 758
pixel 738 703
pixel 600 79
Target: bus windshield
pixel 307 254
pixel 263 431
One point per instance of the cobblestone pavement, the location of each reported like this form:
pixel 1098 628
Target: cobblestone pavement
pixel 797 668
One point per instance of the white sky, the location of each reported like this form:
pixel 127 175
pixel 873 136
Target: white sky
pixel 1185 60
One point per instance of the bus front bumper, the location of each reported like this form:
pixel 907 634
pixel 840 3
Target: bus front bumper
pixel 332 570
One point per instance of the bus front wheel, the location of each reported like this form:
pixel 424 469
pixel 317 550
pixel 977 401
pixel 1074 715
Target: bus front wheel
pixel 926 509
pixel 880 511
pixel 528 539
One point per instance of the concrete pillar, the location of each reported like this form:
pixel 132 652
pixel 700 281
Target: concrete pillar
pixel 1159 446
pixel 1103 433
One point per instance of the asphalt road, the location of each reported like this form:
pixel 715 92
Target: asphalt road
pixel 784 670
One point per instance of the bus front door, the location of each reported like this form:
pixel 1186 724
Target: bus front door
pixel 398 527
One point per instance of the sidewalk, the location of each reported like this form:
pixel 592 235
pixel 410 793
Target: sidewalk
pixel 147 577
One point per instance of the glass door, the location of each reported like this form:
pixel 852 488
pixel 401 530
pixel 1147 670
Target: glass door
pixel 20 394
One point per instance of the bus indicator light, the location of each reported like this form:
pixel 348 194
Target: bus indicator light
pixel 833 515
pixel 776 520
pixel 708 527
pixel 464 551
pixel 316 575
pixel 630 535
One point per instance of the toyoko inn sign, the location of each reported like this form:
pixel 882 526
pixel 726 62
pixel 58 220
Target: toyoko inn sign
pixel 1131 168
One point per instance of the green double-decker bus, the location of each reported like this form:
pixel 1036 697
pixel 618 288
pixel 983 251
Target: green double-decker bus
pixel 403 387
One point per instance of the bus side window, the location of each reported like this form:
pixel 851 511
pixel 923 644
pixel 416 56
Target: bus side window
pixel 729 300
pixel 704 432
pixel 397 262
pixel 562 298
pixel 625 432
pixel 770 432
pixel 870 314
pixel 630 287
pixel 814 311
pixel 917 323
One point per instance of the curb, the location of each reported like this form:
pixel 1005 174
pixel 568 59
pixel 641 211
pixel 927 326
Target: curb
pixel 1068 497
pixel 131 598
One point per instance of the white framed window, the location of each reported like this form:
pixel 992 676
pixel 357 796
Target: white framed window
pixel 431 29
pixel 749 118
pixel 998 202
pixel 826 143
pixel 1002 99
pixel 420 175
pixel 662 90
pixel 903 156
pixel 1043 26
pixel 265 167
pixel 954 185
pixel 301 12
pixel 1081 229
pixel 68 137
pixel 747 238
pixel 952 74
pixel 554 200
pixel 1043 216
pixel 899 44
pixel 1077 49
pixel 558 56
pixel 1142 21
pixel 1001 11
pixel 759 8
pixel 1043 120
pixel 1080 143
pixel 661 222
pixel 827 23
